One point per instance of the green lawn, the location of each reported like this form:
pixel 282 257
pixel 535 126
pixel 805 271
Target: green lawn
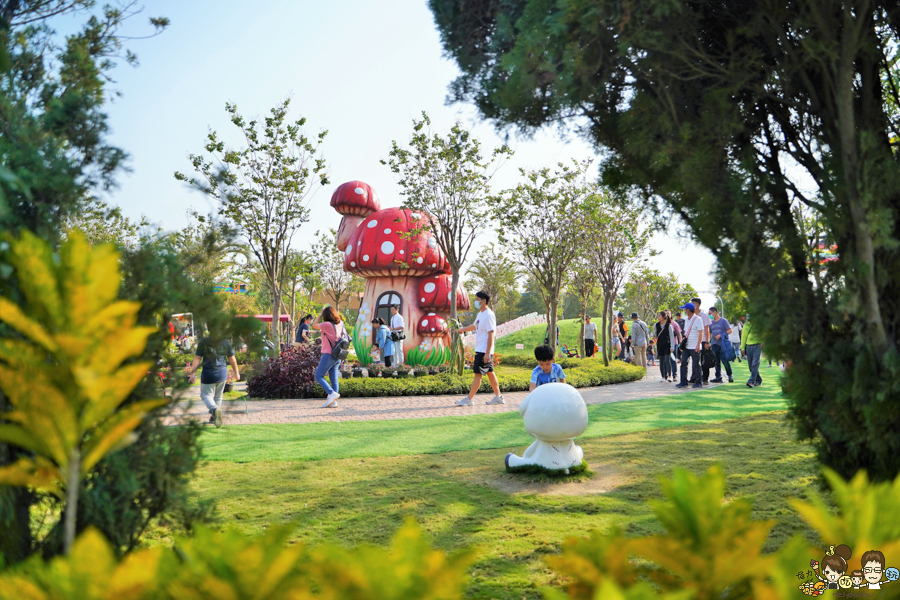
pixel 448 474
pixel 534 336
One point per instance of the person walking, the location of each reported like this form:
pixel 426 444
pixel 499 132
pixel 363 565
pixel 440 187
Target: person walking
pixel 666 341
pixel 706 339
pixel 214 354
pixel 676 351
pixel 303 331
pixel 397 333
pixel 735 339
pixel 331 324
pixel 614 341
pixel 751 347
pixel 640 338
pixel 590 337
pixel 719 330
pixel 383 342
pixel 623 336
pixel 691 353
pixel 484 327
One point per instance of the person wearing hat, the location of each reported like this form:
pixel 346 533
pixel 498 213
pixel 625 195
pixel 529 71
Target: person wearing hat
pixel 694 336
pixel 484 327
pixel 640 338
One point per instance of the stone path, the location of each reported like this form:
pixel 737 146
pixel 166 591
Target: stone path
pixel 239 412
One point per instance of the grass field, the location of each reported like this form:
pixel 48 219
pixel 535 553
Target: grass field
pixel 314 441
pixel 534 336
pixel 466 499
pixel 448 474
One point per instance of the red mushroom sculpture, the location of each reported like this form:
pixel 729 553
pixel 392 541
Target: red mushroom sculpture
pixel 393 249
pixel 356 201
pixel 434 293
pixel 434 348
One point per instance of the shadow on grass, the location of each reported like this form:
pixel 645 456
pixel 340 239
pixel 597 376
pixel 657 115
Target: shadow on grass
pixel 456 498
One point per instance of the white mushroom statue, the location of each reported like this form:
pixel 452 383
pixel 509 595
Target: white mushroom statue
pixel 555 414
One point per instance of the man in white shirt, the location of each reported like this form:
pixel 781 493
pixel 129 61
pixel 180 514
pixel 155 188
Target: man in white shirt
pixel 706 336
pixel 590 336
pixel 397 325
pixel 484 328
pixel 735 338
pixel 693 325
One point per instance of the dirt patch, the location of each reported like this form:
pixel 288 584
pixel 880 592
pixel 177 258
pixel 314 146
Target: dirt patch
pixel 605 479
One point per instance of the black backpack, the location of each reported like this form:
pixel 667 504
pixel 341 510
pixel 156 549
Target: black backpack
pixel 340 348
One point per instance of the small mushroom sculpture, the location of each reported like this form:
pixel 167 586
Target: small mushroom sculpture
pixel 555 414
pixel 432 328
pixel 355 200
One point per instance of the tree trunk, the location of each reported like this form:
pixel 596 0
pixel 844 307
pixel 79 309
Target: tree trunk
pixel 551 322
pixel 605 330
pixel 276 318
pixel 457 348
pixel 71 511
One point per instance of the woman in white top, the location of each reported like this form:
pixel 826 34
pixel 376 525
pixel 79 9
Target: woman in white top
pixel 735 338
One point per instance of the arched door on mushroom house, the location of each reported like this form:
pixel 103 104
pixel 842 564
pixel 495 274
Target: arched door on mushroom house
pixel 397 254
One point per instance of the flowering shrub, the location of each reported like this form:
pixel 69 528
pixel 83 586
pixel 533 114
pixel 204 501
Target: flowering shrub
pixel 290 375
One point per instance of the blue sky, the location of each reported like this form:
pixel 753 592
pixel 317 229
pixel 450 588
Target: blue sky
pixel 361 70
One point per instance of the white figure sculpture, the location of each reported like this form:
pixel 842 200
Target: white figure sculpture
pixel 555 414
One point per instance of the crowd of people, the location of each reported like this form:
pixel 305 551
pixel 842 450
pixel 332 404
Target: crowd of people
pixel 702 343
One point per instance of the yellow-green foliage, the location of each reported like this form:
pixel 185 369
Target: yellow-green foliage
pixel 66 379
pixel 712 549
pixel 232 566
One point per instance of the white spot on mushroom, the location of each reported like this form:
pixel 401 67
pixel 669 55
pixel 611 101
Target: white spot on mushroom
pixel 359 243
pixel 352 264
pixel 365 257
pixel 387 231
pixel 432 242
pixel 424 322
pixel 432 328
pixel 448 295
pixel 372 224
pixel 349 250
pixel 387 248
pixel 360 191
pixel 419 260
pixel 430 314
pixel 433 265
pixel 429 287
pixel 401 252
pixel 423 299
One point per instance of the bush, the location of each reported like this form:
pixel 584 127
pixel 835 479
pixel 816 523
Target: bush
pixel 291 377
pixel 232 565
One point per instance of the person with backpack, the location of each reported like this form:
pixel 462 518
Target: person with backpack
pixel 667 339
pixel 335 343
pixel 213 353
pixel 640 339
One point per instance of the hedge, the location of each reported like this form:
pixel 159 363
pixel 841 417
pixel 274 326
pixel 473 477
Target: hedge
pixel 449 384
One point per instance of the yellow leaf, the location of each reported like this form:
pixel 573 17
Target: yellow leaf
pixel 32 258
pixel 21 437
pixel 96 281
pixel 120 346
pixel 12 315
pixel 112 430
pixel 107 393
pixel 35 472
pixel 20 354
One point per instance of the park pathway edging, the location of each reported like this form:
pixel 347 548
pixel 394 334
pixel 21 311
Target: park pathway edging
pixel 257 412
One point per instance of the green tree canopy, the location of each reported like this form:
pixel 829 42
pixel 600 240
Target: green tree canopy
pixel 729 115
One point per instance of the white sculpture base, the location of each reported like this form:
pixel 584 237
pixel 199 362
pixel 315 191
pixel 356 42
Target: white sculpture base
pixel 555 414
pixel 563 454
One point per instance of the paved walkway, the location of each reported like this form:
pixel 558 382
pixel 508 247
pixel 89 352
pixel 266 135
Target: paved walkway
pixel 254 412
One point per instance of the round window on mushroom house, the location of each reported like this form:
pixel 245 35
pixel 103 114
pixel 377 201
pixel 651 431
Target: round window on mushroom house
pixel 383 306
